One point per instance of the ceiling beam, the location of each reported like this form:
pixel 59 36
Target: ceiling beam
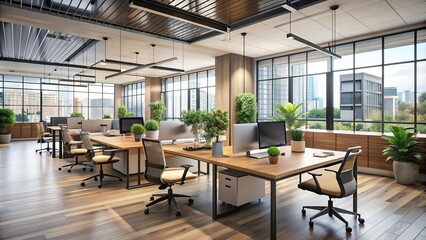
pixel 81 49
pixel 141 67
pixel 178 14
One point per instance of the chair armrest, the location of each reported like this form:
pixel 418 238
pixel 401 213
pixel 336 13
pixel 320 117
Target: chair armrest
pixel 186 166
pixel 315 175
pixel 330 170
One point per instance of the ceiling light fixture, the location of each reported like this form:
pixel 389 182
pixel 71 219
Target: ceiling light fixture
pixel 244 60
pixel 141 67
pixel 103 62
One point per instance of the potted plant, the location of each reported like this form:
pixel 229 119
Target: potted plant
pixel 76 114
pixel 157 108
pixel 137 130
pixel 107 116
pixel 122 112
pixel 297 140
pixel 273 153
pixel 405 153
pixel 246 108
pixel 7 119
pixel 216 124
pixel 194 118
pixel 152 129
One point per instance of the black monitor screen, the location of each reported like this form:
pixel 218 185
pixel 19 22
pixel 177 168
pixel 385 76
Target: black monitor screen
pixel 127 122
pixel 271 134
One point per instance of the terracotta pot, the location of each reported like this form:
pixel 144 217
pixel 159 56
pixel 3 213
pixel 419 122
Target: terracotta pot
pixel 404 172
pixel 273 160
pixel 297 146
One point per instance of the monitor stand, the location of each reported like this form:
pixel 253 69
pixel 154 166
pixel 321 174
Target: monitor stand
pixel 257 155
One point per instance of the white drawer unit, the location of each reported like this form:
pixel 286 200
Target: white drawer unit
pixel 237 188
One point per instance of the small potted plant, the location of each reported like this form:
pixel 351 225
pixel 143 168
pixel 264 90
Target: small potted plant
pixel 76 114
pixel 137 130
pixel 152 129
pixel 216 124
pixel 7 119
pixel 194 118
pixel 291 114
pixel 157 109
pixel 273 153
pixel 122 112
pixel 297 140
pixel 405 153
pixel 107 116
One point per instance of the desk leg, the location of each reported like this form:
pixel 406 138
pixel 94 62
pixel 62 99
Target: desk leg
pixel 54 144
pixel 126 153
pixel 214 193
pixel 273 209
pixel 198 168
pixel 139 166
pixel 355 195
pixel 60 144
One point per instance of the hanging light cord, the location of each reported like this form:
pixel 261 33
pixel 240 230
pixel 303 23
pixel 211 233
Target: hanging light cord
pixel 244 60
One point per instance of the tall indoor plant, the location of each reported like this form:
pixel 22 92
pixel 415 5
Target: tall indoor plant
pixel 122 112
pixel 194 118
pixel 246 108
pixel 7 119
pixel 157 108
pixel 404 151
pixel 216 124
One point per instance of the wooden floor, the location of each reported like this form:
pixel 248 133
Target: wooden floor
pixel 39 202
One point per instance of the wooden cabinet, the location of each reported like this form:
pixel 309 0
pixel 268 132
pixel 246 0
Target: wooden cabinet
pixel 375 157
pixel 344 141
pixel 325 140
pixel 24 130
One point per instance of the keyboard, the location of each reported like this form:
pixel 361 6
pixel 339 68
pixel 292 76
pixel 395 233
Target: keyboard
pixel 258 155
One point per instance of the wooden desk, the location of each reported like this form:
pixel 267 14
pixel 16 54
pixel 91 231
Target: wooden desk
pixel 124 144
pixel 291 164
pixel 55 129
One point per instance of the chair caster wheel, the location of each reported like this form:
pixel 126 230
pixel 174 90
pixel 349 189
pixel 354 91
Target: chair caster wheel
pixel 59 169
pixel 348 229
pixel 69 170
pixel 151 199
pixel 311 224
pixel 82 184
pixel 191 201
pixel 146 211
pixel 361 220
pixel 99 186
pixel 91 169
pixel 178 213
pixel 120 179
pixel 303 212
pixel 84 169
pixel 96 179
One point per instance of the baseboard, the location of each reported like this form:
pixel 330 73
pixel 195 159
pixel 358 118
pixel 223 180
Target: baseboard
pixel 387 173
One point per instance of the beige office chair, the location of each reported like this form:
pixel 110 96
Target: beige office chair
pixel 43 137
pixel 334 184
pixel 76 152
pixel 157 172
pixel 98 160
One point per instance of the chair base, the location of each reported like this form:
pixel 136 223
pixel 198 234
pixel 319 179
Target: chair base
pixel 170 197
pixel 76 163
pixel 101 176
pixel 331 211
pixel 47 148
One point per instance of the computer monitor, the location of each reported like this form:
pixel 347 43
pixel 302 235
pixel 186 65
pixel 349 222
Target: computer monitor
pixel 56 121
pixel 174 130
pixel 127 122
pixel 245 138
pixel 271 134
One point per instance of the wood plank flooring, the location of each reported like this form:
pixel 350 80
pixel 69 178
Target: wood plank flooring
pixel 39 202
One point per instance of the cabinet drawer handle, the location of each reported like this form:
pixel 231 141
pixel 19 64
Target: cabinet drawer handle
pixel 227 186
pixel 228 179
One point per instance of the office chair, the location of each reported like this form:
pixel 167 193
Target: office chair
pixel 43 137
pixel 68 147
pixel 334 184
pixel 157 172
pixel 98 160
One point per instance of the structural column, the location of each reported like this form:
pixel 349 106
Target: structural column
pixel 152 93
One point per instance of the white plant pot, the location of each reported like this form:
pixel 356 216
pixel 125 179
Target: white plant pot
pixel 5 138
pixel 152 134
pixel 404 172
pixel 297 146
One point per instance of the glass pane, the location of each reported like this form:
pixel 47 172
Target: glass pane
pixel 169 84
pixel 184 81
pixel 143 88
pixel 31 97
pixel 421 44
pixel 50 98
pixel 108 110
pixel 421 92
pixel 108 88
pixel 193 99
pixel 421 128
pixel 51 112
pixel 368 53
pixel 138 111
pixel 95 113
pixel 264 69
pixel 95 100
pixel 399 48
pixel 184 100
pixel 212 78
pixel 203 99
pixel 12 85
pixel 316 125
pixel 281 67
pixel 211 98
pixel 316 96
pixel 176 104
pixel 176 83
pixel 347 60
pixel 348 126
pixel 370 107
pixel 33 113
pixel 299 91
pixel 368 127
pixel 280 93
pixel 343 108
pixel 163 85
pixel 318 62
pixel 32 86
pixel 63 111
pixel 81 99
pixel 169 104
pixel 298 64
pixel 265 99
pixel 192 80
pixel 202 79
pixel 12 78
pixel 108 100
pixel 31 80
pixel 97 87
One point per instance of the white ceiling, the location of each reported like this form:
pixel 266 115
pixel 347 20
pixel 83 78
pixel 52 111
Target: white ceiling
pixel 354 18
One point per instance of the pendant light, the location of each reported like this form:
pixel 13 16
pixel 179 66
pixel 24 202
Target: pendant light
pixel 103 62
pixel 244 60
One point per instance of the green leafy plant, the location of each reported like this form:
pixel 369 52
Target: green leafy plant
pixel 193 118
pixel 152 125
pixel 7 118
pixel 402 147
pixel 246 108
pixel 216 123
pixel 107 116
pixel 273 151
pixel 122 112
pixel 137 129
pixel 157 108
pixel 76 114
pixel 296 134
pixel 290 114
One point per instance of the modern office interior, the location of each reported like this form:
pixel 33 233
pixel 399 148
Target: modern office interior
pixel 174 119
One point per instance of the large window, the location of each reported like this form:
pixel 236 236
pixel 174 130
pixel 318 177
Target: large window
pixel 377 83
pixel 191 91
pixel 134 98
pixel 31 100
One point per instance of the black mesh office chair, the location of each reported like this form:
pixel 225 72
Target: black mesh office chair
pixel 98 160
pixel 157 172
pixel 334 184
pixel 76 152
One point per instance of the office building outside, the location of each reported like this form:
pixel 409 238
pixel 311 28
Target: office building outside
pixel 391 101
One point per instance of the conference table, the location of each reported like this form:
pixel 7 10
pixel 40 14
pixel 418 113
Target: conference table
pixel 292 164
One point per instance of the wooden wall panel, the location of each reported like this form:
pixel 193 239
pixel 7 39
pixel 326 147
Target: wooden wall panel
pixel 26 130
pixel 15 130
pixel 324 140
pixel 118 98
pixel 423 147
pixel 375 157
pixel 344 141
pixel 152 93
pixel 309 139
